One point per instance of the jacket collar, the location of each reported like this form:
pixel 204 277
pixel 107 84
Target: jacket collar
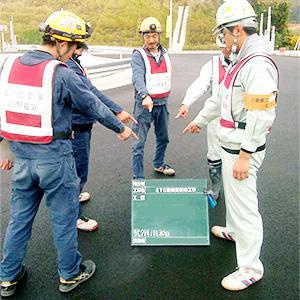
pixel 252 44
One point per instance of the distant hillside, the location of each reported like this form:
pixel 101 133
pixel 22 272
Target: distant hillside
pixel 116 22
pixel 295 12
pixel 295 29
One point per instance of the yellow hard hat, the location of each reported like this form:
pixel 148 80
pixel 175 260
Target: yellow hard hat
pixel 150 24
pixel 66 26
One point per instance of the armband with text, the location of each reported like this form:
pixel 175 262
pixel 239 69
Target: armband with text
pixel 259 102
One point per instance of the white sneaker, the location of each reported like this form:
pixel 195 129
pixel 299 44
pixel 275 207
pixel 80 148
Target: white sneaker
pixel 86 224
pixel 85 196
pixel 166 170
pixel 240 279
pixel 222 233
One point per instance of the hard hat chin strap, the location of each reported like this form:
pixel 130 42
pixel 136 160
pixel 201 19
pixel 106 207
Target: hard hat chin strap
pixel 61 55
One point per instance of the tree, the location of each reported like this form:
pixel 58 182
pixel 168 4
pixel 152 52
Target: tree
pixel 280 17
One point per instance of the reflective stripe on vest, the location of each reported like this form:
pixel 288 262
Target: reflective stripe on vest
pixel 218 73
pixel 158 77
pixel 26 101
pixel 227 119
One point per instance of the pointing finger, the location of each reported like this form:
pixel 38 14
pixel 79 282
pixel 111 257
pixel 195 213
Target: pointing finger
pixel 134 135
pixel 186 129
pixel 133 119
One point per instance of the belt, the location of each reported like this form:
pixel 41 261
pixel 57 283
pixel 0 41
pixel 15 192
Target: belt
pixel 240 125
pixel 82 127
pixel 62 135
pixel 229 124
pixel 231 151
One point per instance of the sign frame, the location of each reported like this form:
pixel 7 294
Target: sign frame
pixel 181 190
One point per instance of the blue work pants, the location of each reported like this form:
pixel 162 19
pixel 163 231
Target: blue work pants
pixel 81 147
pixel 160 118
pixel 32 179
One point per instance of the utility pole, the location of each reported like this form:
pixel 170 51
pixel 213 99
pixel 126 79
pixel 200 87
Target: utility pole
pixel 269 24
pixel 11 30
pixel 3 28
pixel 171 25
pixel 269 33
pixel 261 27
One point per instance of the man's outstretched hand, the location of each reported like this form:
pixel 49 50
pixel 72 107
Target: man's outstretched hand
pixel 126 134
pixel 192 128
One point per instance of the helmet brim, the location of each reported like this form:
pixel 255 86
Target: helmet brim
pixel 82 45
pixel 220 27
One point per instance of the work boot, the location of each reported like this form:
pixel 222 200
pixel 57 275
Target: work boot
pixel 215 175
pixel 166 170
pixel 87 270
pixel 85 196
pixel 8 288
pixel 240 279
pixel 86 224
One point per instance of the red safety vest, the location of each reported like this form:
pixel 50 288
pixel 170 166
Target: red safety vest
pixel 218 74
pixel 26 101
pixel 228 82
pixel 158 77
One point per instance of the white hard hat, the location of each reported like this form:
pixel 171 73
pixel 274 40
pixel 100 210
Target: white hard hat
pixel 150 24
pixel 233 12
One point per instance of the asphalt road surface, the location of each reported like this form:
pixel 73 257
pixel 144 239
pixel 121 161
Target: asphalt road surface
pixel 154 273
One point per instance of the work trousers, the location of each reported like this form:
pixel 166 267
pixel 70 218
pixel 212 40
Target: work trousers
pixel 243 219
pixel 81 147
pixel 32 179
pixel 160 118
pixel 214 157
pixel 81 144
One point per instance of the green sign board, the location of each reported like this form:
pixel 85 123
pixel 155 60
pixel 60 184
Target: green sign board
pixel 169 212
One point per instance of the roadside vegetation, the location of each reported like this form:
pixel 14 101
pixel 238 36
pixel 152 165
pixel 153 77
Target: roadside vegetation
pixel 116 22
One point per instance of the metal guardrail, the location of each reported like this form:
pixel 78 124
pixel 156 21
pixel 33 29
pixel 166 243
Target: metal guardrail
pixel 294 53
pixel 107 69
pixel 111 64
pixel 105 50
pixel 96 70
pixel 111 49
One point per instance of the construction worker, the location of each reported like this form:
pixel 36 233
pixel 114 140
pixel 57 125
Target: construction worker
pixel 151 78
pixel 82 132
pixel 211 75
pixel 247 99
pixel 37 92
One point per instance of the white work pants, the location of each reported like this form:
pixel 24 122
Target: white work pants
pixel 243 219
pixel 213 143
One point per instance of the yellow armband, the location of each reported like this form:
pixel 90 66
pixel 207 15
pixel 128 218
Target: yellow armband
pixel 259 102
